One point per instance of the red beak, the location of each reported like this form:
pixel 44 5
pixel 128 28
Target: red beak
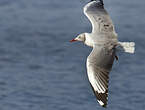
pixel 73 40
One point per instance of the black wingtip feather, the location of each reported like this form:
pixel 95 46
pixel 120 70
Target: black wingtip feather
pixel 101 97
pixel 99 4
pixel 100 1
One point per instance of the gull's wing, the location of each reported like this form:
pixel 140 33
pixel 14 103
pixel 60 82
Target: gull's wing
pixel 98 16
pixel 99 64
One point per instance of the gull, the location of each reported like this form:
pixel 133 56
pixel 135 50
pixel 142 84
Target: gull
pixel 103 39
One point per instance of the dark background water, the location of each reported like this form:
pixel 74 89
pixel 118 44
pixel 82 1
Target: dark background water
pixel 41 70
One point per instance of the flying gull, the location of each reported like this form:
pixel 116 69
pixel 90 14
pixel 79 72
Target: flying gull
pixel 103 40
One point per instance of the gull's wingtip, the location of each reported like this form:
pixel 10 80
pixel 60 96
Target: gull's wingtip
pixel 102 104
pixel 102 98
pixel 101 1
pixel 94 4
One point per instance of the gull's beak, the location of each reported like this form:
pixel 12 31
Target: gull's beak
pixel 73 40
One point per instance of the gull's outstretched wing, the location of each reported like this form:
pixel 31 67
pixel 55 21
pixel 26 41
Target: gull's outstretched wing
pixel 98 16
pixel 99 64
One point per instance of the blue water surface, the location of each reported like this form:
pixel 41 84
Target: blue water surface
pixel 41 70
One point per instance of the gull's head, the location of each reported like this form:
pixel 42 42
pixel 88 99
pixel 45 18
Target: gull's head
pixel 80 37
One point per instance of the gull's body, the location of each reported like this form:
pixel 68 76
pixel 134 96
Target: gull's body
pixel 103 40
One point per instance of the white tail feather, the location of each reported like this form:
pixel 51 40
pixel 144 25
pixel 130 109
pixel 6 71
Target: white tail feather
pixel 128 47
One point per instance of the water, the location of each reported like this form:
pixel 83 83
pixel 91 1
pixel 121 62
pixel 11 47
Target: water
pixel 41 70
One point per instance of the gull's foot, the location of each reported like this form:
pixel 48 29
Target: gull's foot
pixel 116 57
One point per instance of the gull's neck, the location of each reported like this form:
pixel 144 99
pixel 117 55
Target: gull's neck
pixel 88 40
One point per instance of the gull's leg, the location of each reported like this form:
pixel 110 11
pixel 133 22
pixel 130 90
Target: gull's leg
pixel 116 57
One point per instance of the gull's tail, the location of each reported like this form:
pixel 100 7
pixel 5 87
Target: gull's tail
pixel 128 47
